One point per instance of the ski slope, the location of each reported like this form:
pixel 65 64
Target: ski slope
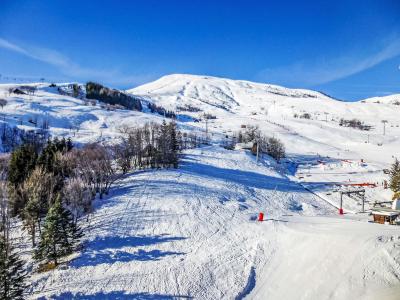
pixel 67 116
pixel 190 233
pixel 272 108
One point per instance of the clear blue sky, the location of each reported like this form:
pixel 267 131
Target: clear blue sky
pixel 349 49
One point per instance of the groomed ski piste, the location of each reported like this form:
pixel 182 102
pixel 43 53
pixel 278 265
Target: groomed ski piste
pixel 192 232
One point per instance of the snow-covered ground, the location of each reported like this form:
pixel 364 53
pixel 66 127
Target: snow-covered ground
pixel 191 232
pixel 308 141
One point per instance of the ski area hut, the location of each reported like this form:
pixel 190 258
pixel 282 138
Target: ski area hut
pixel 388 215
pixel 385 217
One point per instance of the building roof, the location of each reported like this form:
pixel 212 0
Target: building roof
pixel 386 213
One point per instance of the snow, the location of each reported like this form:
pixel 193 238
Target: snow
pixel 68 116
pixel 272 108
pixel 192 232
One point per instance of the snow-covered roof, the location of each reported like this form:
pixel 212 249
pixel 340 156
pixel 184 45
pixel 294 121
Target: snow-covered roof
pixel 386 213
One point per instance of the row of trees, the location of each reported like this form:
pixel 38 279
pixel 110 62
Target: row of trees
pixel 161 111
pixel 111 96
pixel 22 90
pixel 152 146
pixel 12 136
pixel 354 123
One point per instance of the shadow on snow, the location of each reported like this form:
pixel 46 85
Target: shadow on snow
pixel 105 250
pixel 246 178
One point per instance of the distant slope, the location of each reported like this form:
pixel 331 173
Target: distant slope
pixel 82 120
pixel 279 110
pixel 390 99
pixel 222 93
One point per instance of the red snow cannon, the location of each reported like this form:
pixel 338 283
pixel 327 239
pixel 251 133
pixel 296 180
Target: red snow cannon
pixel 260 217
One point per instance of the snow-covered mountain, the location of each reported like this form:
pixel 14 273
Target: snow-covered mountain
pixel 190 232
pixel 275 108
pixel 205 91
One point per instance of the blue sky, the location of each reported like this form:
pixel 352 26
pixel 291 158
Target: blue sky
pixel 348 49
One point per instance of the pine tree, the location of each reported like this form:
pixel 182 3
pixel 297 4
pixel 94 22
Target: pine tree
pixel 173 145
pixel 22 163
pixel 12 273
pixel 163 143
pixel 60 234
pixel 395 179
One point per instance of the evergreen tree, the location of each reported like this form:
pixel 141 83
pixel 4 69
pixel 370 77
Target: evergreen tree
pixel 12 274
pixel 163 144
pixel 22 163
pixel 395 179
pixel 47 156
pixel 69 144
pixel 60 234
pixel 173 145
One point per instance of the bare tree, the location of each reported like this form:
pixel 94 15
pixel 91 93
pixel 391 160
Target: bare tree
pixel 77 197
pixel 38 192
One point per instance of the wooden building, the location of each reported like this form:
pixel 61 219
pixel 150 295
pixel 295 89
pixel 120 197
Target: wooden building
pixel 388 217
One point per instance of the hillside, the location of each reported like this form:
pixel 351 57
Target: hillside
pixel 273 108
pixel 191 232
pixel 309 124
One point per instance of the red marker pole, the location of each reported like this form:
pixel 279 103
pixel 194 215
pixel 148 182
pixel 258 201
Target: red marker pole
pixel 260 217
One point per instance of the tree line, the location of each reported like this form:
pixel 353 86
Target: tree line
pixel 161 111
pixel 111 96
